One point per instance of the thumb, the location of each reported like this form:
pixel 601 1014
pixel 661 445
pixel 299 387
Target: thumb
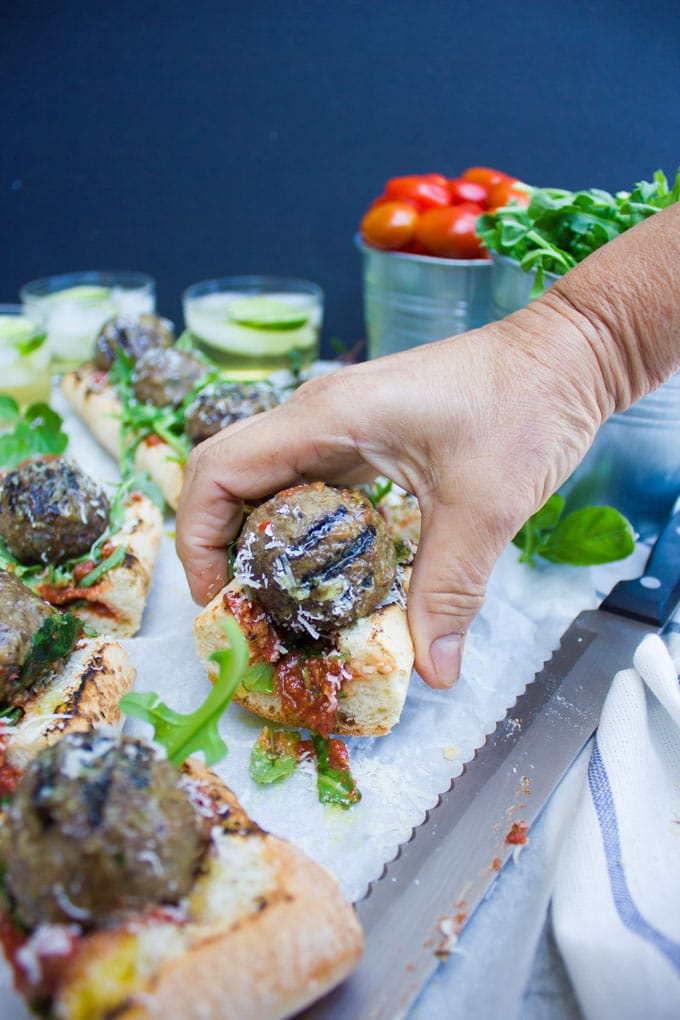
pixel 454 559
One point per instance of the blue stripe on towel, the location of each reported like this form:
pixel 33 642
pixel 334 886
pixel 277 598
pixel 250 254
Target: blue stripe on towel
pixel 603 800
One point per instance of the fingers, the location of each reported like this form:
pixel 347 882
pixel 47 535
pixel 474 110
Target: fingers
pixel 452 567
pixel 249 461
pixel 219 477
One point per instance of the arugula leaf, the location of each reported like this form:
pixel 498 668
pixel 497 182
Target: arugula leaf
pixel 185 734
pixel 138 421
pixel 584 538
pixel 115 559
pixel 53 641
pixel 560 228
pixel 37 432
pixel 335 786
pixel 378 489
pixel 274 755
pixel 10 715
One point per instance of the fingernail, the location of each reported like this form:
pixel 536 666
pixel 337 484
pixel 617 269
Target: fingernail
pixel 445 655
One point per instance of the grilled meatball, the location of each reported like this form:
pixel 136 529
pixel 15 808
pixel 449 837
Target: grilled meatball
pixel 51 511
pixel 220 404
pixel 316 558
pixel 164 377
pixel 21 615
pixel 97 824
pixel 133 336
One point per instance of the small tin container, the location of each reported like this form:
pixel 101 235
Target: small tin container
pixel 414 299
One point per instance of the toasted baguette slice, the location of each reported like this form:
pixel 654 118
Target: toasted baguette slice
pixel 264 932
pixel 376 653
pixel 92 396
pixel 80 692
pixel 114 605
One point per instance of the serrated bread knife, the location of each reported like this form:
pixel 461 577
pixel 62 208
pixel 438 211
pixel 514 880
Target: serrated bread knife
pixel 413 913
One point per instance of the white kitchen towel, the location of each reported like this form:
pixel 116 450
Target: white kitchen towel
pixel 616 899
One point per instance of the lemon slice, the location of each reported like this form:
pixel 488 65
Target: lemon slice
pixel 81 294
pixel 266 313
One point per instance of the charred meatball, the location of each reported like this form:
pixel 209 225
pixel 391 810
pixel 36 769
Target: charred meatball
pixel 165 377
pixel 22 614
pixel 220 404
pixel 316 558
pixel 51 511
pixel 133 336
pixel 97 824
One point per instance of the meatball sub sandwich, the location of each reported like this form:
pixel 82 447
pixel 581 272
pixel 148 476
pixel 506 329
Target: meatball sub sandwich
pixel 319 591
pixel 131 889
pixel 148 401
pixel 53 679
pixel 76 548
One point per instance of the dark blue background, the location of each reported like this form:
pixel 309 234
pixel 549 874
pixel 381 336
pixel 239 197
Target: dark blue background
pixel 205 138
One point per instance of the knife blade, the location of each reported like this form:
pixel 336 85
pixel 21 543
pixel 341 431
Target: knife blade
pixel 412 915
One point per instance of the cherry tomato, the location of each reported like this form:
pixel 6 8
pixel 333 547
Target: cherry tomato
pixel 467 191
pixel 429 193
pixel 505 192
pixel 450 232
pixel 389 225
pixel 484 175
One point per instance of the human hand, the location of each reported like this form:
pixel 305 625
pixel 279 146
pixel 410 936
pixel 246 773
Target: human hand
pixel 482 428
pixel 444 424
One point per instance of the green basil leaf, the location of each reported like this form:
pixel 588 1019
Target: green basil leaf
pixel 53 641
pixel 589 536
pixel 36 432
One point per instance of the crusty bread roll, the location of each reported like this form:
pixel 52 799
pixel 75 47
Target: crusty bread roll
pixel 376 652
pixel 91 395
pixel 263 932
pixel 114 604
pixel 81 691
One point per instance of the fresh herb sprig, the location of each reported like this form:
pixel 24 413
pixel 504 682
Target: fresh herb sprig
pixel 53 641
pixel 138 421
pixel 276 754
pixel 584 538
pixel 185 734
pixel 36 432
pixel 560 228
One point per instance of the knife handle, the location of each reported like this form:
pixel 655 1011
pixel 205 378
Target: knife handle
pixel 653 597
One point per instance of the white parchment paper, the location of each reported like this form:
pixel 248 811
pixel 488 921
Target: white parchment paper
pixel 400 775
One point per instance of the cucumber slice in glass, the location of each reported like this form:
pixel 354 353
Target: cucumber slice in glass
pixel 262 312
pixel 20 333
pixel 81 294
pixel 15 330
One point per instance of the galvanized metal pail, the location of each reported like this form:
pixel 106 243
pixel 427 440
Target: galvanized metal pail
pixel 414 299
